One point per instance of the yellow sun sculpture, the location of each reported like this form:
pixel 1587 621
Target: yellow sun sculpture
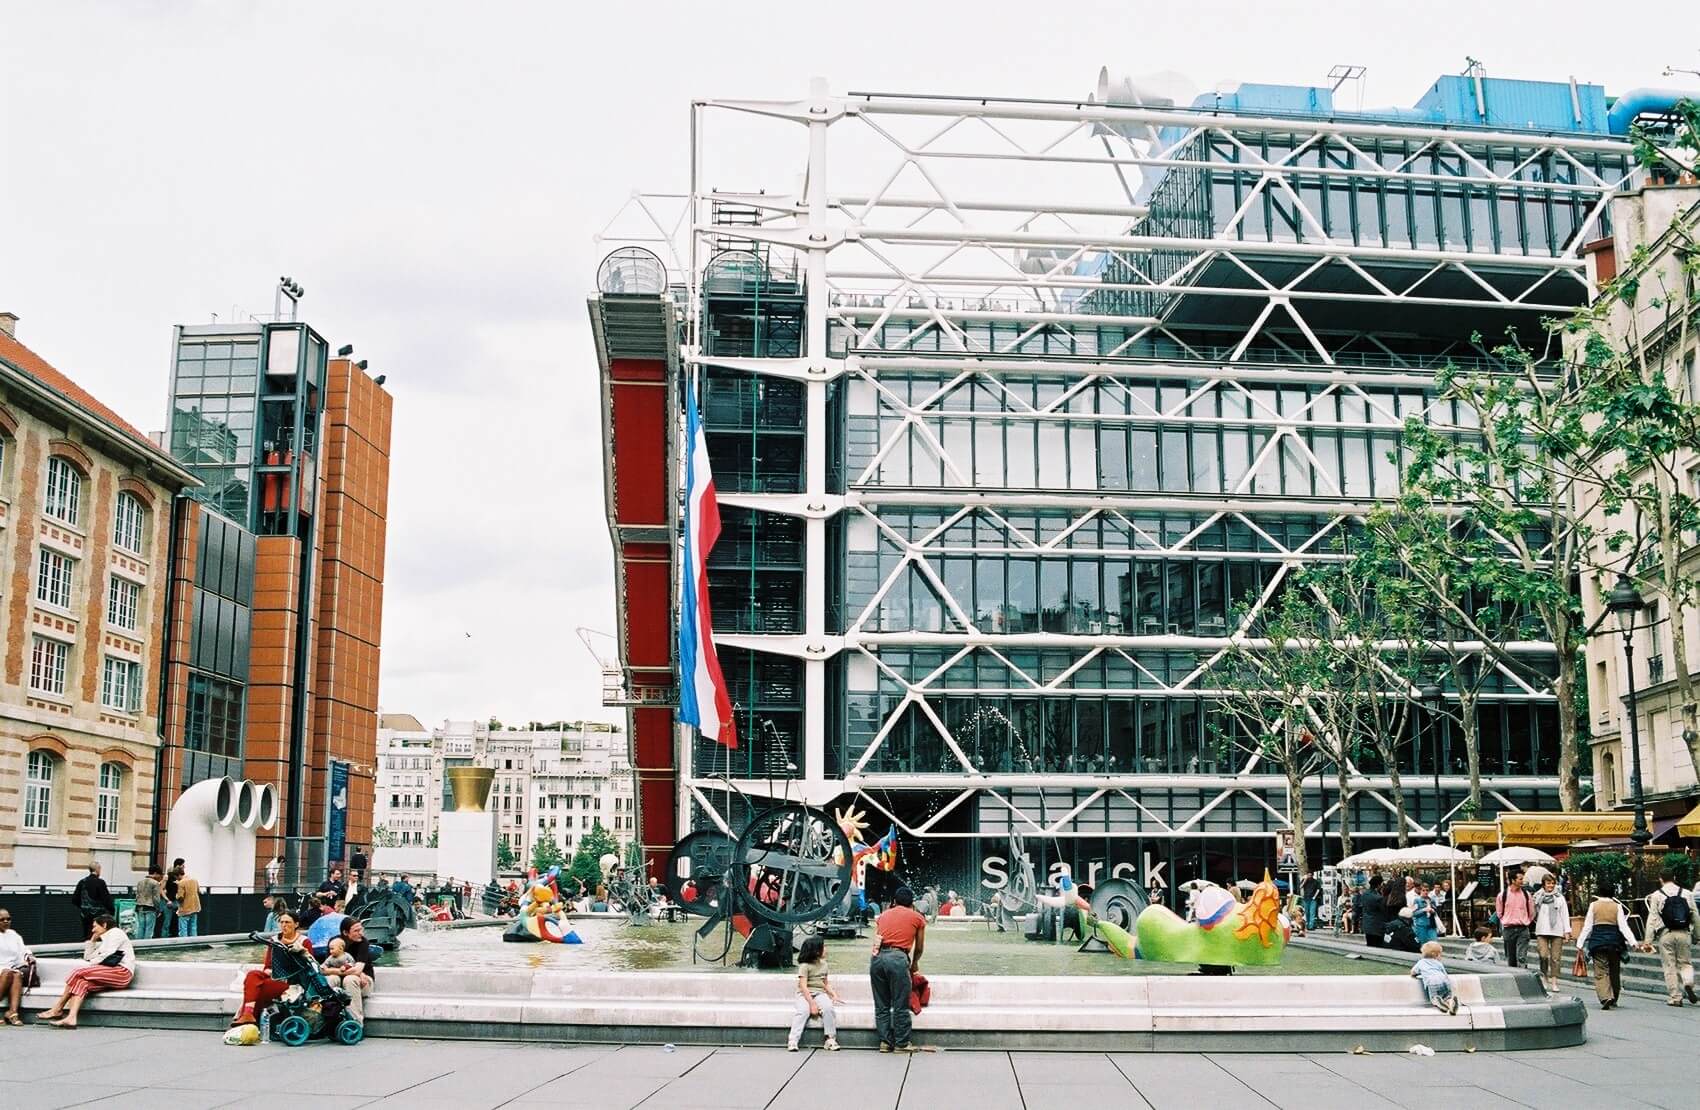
pixel 853 823
pixel 1261 913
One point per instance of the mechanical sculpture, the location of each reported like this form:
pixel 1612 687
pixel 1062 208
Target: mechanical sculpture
pixel 789 868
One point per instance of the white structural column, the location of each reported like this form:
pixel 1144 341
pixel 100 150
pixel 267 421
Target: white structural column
pixel 819 239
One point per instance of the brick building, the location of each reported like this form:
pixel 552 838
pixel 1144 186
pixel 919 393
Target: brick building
pixel 293 446
pixel 86 505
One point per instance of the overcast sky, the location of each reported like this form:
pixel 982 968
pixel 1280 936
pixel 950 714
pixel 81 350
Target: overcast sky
pixel 434 175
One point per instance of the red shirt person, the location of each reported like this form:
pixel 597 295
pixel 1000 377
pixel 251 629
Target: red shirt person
pixel 901 938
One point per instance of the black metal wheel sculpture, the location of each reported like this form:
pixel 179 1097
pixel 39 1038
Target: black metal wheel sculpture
pixel 1119 901
pixel 788 868
pixel 797 865
pixel 696 872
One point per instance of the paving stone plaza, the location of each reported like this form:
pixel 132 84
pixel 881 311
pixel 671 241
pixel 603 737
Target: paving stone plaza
pixel 1640 1055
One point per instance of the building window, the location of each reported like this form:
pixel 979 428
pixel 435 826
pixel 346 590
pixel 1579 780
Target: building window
pixel 121 685
pixel 213 723
pixel 123 603
pixel 64 491
pixel 106 800
pixel 38 793
pixel 127 523
pixel 48 659
pixel 53 577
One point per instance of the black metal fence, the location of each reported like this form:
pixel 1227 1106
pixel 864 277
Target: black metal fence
pixel 46 914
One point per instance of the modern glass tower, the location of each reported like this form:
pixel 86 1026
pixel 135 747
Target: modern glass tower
pixel 1014 404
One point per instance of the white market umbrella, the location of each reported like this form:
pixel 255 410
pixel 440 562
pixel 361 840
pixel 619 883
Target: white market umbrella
pixel 1375 857
pixel 1511 856
pixel 1196 884
pixel 1535 875
pixel 1430 855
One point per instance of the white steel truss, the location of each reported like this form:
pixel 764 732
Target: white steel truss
pixel 962 240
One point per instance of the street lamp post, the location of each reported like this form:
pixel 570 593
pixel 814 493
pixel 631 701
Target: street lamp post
pixel 1624 602
pixel 1431 695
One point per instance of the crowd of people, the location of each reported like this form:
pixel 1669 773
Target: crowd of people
pixel 1404 913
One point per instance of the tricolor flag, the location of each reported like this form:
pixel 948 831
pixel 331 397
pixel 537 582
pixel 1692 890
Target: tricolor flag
pixel 704 701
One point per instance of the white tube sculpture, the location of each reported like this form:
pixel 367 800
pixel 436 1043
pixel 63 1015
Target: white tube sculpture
pixel 214 828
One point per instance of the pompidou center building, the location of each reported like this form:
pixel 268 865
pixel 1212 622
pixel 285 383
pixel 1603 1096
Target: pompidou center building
pixel 1012 405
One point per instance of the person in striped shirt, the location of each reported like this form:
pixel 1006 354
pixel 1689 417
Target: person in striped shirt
pixel 110 966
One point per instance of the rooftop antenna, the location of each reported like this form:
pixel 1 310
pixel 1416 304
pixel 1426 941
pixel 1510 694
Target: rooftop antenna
pixel 1340 74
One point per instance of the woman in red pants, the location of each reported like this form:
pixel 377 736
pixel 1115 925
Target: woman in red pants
pixel 258 986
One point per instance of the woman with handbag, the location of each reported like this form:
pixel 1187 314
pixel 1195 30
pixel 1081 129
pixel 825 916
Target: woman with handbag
pixel 17 968
pixel 1605 937
pixel 111 966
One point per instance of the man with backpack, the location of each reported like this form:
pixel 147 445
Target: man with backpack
pixel 1670 929
pixel 1516 911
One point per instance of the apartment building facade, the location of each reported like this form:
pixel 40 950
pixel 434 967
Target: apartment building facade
pixel 86 524
pixel 553 783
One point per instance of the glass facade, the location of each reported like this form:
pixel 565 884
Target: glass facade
pixel 221 608
pixel 1047 500
pixel 244 419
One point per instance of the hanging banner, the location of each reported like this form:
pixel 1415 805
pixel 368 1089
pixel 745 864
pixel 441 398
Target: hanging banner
pixel 1562 829
pixel 336 822
pixel 1474 834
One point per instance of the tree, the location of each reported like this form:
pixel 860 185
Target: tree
pixel 1428 558
pixel 587 861
pixel 1518 483
pixel 545 853
pixel 506 859
pixel 432 842
pixel 1376 666
pixel 1268 681
pixel 382 837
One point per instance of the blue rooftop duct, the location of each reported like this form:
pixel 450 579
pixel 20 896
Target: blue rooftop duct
pixel 1637 102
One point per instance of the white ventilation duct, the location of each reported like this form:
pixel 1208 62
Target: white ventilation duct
pixel 256 810
pixel 199 819
pixel 214 827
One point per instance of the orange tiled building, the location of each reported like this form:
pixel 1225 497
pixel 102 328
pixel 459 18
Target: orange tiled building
pixel 293 446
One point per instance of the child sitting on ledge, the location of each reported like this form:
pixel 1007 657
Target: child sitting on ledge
pixel 1437 984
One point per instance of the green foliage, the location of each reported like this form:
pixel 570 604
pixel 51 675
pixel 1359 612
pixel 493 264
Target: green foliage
pixel 1679 865
pixel 1587 869
pixel 587 861
pixel 545 853
pixel 382 837
pixel 432 842
pixel 506 859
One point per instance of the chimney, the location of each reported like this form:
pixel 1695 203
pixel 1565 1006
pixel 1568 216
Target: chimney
pixel 9 323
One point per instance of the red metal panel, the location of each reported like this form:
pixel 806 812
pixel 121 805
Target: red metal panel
pixel 639 458
pixel 649 618
pixel 638 394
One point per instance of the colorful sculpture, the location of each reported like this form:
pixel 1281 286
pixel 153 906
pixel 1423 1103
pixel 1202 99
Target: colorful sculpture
pixel 1225 933
pixel 542 913
pixel 882 855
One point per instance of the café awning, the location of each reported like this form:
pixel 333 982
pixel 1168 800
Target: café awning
pixel 1690 824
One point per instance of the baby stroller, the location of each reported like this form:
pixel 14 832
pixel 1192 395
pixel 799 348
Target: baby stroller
pixel 316 1009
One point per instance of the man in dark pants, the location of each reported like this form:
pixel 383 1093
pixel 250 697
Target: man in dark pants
pixel 900 939
pixel 92 898
pixel 1310 896
pixel 1516 910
